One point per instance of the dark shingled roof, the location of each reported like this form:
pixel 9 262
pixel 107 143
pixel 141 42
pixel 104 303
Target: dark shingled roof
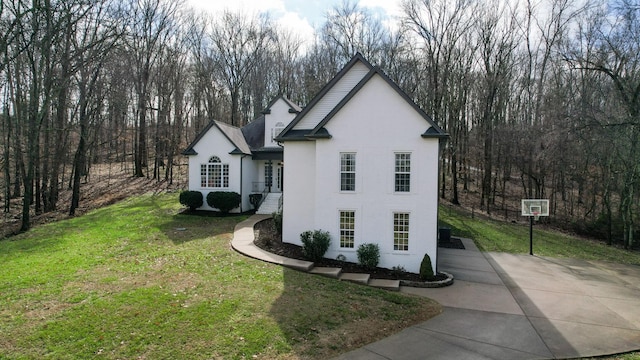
pixel 247 139
pixel 254 133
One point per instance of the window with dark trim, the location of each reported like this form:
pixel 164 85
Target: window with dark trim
pixel 214 174
pixel 347 172
pixel 403 172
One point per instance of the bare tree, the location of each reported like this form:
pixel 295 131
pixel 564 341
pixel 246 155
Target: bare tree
pixel 238 42
pixel 152 22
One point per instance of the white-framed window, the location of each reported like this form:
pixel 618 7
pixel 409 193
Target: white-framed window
pixel 401 231
pixel 347 172
pixel 347 228
pixel 214 174
pixel 402 172
pixel 277 129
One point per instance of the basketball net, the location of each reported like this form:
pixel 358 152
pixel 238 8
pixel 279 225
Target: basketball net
pixel 536 215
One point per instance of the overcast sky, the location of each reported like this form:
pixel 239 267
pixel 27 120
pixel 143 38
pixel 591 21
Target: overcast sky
pixel 301 16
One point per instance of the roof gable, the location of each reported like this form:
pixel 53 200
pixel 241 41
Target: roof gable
pixel 293 107
pixel 232 133
pixel 356 61
pixel 433 131
pixel 296 132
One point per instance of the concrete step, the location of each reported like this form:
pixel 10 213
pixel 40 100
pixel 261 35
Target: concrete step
pixel 392 285
pixel 356 278
pixel 331 272
pixel 270 204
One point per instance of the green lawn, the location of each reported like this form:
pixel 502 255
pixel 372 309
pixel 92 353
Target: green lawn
pixel 140 280
pixel 493 235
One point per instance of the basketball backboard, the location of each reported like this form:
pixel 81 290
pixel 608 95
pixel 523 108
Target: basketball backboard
pixel 535 207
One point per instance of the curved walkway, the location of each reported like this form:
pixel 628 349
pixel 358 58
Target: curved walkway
pixel 506 306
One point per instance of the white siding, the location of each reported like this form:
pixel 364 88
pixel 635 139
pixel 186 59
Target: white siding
pixel 279 113
pixel 333 97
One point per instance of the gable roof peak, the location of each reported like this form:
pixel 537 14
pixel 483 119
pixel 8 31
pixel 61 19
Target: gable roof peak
pixel 293 107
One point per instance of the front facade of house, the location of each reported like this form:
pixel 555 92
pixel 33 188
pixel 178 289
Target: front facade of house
pixel 244 160
pixel 361 163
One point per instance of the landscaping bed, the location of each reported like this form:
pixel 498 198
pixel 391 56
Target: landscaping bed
pixel 268 239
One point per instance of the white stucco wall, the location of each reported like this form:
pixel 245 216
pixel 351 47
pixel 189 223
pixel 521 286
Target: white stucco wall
pixel 215 143
pixel 375 124
pixel 299 195
pixel 249 175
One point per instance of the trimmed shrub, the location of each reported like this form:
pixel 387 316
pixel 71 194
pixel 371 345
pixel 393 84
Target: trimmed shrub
pixel 315 244
pixel 426 270
pixel 368 255
pixel 192 199
pixel 254 199
pixel 277 221
pixel 224 201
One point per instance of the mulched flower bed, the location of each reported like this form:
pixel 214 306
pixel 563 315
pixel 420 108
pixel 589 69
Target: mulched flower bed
pixel 268 239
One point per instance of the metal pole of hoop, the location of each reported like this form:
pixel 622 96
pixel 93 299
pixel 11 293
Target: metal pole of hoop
pixel 530 235
pixel 536 216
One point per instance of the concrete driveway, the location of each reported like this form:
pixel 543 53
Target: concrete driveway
pixel 505 306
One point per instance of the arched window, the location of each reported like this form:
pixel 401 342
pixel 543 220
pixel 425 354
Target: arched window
pixel 214 174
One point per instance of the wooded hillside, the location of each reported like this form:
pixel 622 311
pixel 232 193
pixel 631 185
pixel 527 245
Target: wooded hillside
pixel 541 98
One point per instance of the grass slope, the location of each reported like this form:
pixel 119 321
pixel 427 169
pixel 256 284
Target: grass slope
pixel 493 235
pixel 140 280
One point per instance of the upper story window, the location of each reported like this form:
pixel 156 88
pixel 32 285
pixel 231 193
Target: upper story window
pixel 276 130
pixel 214 174
pixel 347 172
pixel 403 172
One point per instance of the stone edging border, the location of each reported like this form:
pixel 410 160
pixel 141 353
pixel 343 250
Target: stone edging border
pixel 429 284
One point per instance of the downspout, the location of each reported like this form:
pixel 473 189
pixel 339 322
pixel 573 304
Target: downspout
pixel 440 141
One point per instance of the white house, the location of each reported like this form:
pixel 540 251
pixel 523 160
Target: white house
pixel 245 160
pixel 361 162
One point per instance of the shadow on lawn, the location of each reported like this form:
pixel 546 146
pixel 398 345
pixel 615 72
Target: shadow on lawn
pixel 322 317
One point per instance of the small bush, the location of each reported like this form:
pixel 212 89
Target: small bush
pixel 224 201
pixel 192 199
pixel 277 221
pixel 398 271
pixel 369 255
pixel 254 199
pixel 315 244
pixel 426 270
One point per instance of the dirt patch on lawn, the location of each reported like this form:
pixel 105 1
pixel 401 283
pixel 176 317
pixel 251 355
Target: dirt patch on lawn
pixel 106 185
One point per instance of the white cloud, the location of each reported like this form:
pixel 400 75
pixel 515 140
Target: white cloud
pixel 391 8
pixel 214 7
pixel 292 22
pixel 289 20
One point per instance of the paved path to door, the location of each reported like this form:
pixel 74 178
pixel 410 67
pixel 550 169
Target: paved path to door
pixel 505 306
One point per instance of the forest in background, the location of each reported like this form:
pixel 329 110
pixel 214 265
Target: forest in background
pixel 541 99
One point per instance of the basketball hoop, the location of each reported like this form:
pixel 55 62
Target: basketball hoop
pixel 533 209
